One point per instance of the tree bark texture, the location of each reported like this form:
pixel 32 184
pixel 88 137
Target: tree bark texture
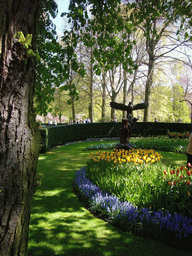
pixel 91 91
pixel 124 92
pixel 73 109
pixel 113 98
pixel 19 135
pixel 150 49
pixel 103 107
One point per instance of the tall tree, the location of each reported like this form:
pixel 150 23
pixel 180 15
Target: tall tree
pixel 103 107
pixel 114 85
pixel 19 136
pixel 153 33
pixel 91 90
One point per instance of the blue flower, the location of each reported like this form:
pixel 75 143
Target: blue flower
pixel 125 213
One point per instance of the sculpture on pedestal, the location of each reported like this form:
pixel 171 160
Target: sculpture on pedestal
pixel 127 123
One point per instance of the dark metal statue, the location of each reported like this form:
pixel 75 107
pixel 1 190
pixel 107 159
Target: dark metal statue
pixel 127 123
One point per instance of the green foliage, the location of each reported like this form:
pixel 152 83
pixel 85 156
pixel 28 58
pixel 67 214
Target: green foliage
pixel 58 135
pixel 102 31
pixel 166 105
pixel 49 70
pixel 26 43
pixel 56 61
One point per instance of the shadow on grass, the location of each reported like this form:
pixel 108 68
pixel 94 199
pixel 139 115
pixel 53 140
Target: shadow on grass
pixel 61 226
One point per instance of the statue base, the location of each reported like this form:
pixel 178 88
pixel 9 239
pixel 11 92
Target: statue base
pixel 126 146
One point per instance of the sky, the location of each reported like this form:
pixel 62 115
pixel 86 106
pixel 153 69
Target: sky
pixel 58 21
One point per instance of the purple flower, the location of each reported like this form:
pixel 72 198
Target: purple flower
pixel 126 214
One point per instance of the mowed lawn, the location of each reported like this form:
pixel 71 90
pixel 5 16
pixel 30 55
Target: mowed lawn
pixel 60 225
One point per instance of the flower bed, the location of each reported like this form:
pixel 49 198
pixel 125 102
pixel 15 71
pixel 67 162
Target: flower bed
pixel 159 143
pixel 178 135
pixel 164 227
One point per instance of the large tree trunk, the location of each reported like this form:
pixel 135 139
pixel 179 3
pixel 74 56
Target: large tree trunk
pixel 19 135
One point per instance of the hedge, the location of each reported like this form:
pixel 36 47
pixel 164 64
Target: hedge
pixel 52 136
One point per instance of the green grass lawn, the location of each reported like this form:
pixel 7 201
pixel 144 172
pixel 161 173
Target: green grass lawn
pixel 60 225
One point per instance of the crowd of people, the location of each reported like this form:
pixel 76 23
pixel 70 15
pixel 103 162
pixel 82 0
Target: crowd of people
pixel 83 121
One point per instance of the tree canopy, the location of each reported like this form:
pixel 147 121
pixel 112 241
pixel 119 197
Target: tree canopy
pixel 106 27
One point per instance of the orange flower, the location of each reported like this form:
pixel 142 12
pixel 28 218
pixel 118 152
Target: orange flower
pixel 188 173
pixel 181 176
pixel 189 165
pixel 165 172
pixel 181 168
pixel 174 182
pixel 170 183
pixel 188 182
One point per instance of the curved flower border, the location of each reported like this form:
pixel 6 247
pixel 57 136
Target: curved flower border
pixel 126 216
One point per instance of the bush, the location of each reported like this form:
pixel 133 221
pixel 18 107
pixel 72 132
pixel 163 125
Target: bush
pixel 61 134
